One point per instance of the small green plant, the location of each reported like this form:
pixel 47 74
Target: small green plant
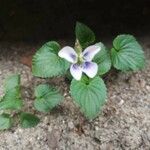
pixel 88 62
pixel 11 105
pixel 84 64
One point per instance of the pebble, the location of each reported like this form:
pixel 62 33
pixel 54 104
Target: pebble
pixel 142 83
pixel 121 102
pixel 148 87
pixel 46 120
pixel 96 128
pixel 70 125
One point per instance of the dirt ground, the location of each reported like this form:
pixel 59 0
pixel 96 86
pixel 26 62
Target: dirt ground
pixel 124 123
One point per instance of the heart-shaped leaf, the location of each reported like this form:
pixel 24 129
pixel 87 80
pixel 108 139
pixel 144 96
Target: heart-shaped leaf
pixel 127 54
pixel 12 97
pixel 46 98
pixel 28 120
pixel 89 94
pixel 46 62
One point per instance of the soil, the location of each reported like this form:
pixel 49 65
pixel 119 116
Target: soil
pixel 124 123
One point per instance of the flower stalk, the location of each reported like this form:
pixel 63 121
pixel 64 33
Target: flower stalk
pixel 78 47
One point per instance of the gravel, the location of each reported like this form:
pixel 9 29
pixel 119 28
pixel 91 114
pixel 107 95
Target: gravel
pixel 123 124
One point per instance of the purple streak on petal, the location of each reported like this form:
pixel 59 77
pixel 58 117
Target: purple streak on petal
pixel 86 54
pixel 90 52
pixel 86 65
pixel 68 53
pixel 73 56
pixel 75 66
pixel 76 71
pixel 90 69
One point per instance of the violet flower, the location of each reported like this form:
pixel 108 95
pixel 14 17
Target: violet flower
pixel 81 62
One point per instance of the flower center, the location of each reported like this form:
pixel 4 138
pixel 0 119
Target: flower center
pixel 80 59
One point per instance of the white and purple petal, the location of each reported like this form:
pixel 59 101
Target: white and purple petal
pixel 90 52
pixel 90 69
pixel 76 71
pixel 68 53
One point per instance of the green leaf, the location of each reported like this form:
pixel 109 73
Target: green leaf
pixel 46 62
pixel 11 104
pixel 84 34
pixel 89 94
pixel 12 94
pixel 127 54
pixel 28 120
pixel 46 98
pixel 103 59
pixel 11 100
pixel 5 121
pixel 52 46
pixel 12 97
pixel 11 82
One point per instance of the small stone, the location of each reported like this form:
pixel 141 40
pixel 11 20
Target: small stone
pixel 38 138
pixel 65 94
pixel 148 87
pixel 121 102
pixel 70 125
pixel 46 120
pixel 96 128
pixel 20 130
pixel 142 83
pixel 53 139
